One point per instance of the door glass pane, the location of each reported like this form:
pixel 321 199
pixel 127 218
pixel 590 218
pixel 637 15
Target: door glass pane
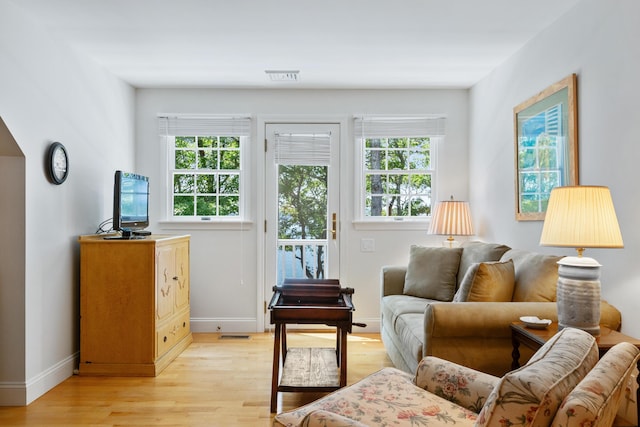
pixel 302 222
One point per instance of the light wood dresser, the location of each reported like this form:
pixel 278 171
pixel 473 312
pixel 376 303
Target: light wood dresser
pixel 134 304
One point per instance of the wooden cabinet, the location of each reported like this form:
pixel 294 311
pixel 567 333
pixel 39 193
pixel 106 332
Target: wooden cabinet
pixel 134 304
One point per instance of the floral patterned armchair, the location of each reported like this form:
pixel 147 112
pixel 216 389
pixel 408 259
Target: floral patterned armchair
pixel 444 393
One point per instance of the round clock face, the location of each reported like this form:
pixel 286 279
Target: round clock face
pixel 58 163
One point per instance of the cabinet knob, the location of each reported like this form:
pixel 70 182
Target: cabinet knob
pixel 175 277
pixel 164 339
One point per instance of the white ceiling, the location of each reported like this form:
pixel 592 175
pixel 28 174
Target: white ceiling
pixel 333 43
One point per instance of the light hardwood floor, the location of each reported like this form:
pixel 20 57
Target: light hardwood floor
pixel 215 382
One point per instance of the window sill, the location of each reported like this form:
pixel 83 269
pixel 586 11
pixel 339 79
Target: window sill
pixel 227 224
pixel 401 224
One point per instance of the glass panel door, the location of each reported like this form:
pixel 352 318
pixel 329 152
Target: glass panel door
pixel 302 197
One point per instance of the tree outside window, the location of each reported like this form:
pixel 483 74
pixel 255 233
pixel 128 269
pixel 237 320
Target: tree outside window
pixel 206 176
pixel 397 177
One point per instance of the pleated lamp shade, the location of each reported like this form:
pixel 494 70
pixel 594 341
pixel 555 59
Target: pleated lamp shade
pixel 451 218
pixel 581 217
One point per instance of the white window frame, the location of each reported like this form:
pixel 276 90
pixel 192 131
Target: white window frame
pixel 171 221
pixel 363 222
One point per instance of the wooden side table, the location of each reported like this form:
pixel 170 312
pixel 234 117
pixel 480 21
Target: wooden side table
pixel 535 338
pixel 314 369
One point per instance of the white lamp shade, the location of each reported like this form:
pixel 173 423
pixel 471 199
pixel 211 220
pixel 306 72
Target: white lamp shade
pixel 451 218
pixel 581 217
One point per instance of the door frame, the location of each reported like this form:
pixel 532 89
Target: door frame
pixel 262 324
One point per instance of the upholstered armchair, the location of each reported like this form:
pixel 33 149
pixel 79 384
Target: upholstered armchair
pixel 562 385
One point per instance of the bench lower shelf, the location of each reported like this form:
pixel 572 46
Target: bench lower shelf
pixel 310 369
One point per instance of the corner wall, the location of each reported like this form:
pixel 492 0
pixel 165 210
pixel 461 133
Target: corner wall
pixel 49 94
pixel 598 41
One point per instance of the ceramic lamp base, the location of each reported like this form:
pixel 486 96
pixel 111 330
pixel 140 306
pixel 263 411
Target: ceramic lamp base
pixel 578 294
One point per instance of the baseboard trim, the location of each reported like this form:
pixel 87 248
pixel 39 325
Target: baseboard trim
pixel 16 393
pixel 13 393
pixel 207 325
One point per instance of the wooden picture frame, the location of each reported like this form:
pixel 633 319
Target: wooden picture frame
pixel 546 147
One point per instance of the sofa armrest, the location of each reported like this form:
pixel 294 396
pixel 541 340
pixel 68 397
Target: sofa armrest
pixel 480 319
pixel 492 319
pixel 321 418
pixel 458 384
pixel 392 279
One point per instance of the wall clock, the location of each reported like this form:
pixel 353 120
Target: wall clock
pixel 58 163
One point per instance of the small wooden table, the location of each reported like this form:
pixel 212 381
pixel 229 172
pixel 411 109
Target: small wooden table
pixel 535 338
pixel 309 369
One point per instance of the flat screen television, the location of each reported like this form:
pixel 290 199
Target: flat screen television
pixel 130 203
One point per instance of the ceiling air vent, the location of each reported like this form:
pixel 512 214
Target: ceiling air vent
pixel 283 75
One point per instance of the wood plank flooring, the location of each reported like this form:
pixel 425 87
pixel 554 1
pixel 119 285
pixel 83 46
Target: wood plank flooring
pixel 214 382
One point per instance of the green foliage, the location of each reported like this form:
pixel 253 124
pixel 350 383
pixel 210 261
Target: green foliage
pixel 302 192
pixel 183 205
pixel 206 184
pixel 199 186
pixel 206 205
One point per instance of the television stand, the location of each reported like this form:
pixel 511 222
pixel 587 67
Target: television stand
pixel 134 304
pixel 130 235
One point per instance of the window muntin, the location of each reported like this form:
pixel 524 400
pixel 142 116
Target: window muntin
pixel 398 176
pixel 205 174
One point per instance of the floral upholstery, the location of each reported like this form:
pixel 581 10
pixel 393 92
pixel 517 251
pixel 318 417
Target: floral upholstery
pixel 385 398
pixel 320 418
pixel 444 393
pixel 531 395
pixel 458 384
pixel 596 399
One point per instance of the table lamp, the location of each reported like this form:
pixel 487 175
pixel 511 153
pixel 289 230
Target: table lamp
pixel 580 217
pixel 451 218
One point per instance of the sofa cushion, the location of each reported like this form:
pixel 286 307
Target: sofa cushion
pixel 475 251
pixel 393 306
pixel 532 394
pixel 536 275
pixel 431 272
pixel 595 401
pixel 409 328
pixel 487 281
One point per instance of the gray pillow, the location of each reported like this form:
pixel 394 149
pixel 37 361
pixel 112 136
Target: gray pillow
pixel 431 272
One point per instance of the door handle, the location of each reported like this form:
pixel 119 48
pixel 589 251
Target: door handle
pixel 334 226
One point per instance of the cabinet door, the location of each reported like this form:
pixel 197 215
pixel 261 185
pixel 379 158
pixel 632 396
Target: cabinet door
pixel 182 273
pixel 166 281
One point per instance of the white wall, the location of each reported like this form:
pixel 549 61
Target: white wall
pixel 598 40
pixel 50 94
pixel 222 259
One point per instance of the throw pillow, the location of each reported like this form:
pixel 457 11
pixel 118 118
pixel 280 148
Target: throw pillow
pixel 537 275
pixel 431 272
pixel 476 251
pixel 487 281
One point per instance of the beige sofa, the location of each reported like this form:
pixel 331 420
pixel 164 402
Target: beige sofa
pixel 427 308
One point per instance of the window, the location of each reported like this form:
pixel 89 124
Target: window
pixel 204 159
pixel 398 165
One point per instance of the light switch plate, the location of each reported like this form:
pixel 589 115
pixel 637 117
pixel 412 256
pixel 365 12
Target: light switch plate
pixel 367 245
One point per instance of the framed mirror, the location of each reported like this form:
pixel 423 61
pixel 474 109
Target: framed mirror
pixel 546 147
